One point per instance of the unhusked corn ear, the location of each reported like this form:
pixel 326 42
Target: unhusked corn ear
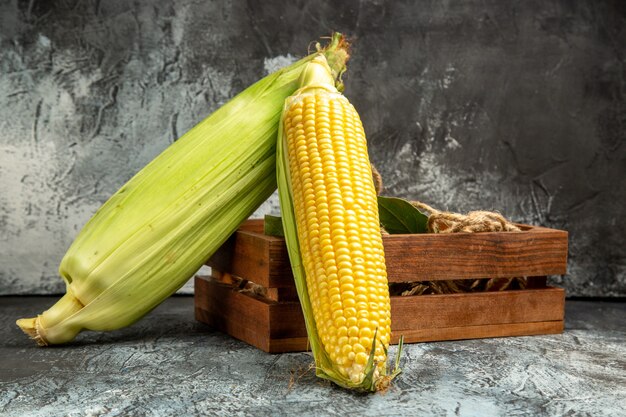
pixel 148 239
pixel 337 231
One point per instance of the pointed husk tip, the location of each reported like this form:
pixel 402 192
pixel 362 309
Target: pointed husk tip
pixel 337 53
pixel 30 327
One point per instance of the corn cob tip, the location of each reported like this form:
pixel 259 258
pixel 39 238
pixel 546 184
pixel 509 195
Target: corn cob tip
pixel 317 74
pixel 30 326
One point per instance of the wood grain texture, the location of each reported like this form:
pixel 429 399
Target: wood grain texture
pixel 219 306
pixel 255 320
pixel 479 332
pixel 279 326
pixel 475 309
pixel 534 251
pixel 248 253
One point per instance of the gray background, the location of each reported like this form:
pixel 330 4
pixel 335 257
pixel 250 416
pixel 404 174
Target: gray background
pixel 512 106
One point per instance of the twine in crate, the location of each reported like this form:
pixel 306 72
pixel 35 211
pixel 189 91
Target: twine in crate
pixel 448 222
pixel 474 221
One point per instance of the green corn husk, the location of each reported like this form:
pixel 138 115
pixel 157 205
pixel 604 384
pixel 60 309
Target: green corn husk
pixel 154 233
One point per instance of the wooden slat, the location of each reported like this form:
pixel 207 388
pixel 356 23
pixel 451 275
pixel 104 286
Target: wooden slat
pixel 290 344
pixel 474 309
pixel 220 307
pixel 254 320
pixel 279 327
pixel 251 254
pixel 479 332
pixel 535 251
pixel 299 344
pixel 286 320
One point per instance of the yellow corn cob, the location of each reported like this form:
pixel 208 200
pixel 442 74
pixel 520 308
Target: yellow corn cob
pixel 148 239
pixel 329 195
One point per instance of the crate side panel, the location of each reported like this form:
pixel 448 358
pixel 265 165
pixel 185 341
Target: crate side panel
pixel 479 332
pixel 239 315
pixel 280 274
pixel 300 344
pixel 295 344
pixel 430 257
pixel 245 254
pixel 286 320
pixel 536 251
pixel 472 309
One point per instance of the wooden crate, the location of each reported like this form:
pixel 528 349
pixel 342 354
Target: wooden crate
pixel 272 320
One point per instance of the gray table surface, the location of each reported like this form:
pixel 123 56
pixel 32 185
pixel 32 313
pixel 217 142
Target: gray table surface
pixel 169 364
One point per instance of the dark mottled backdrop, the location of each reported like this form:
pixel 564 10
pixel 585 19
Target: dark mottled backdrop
pixel 513 106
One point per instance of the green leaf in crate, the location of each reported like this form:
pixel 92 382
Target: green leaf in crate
pixel 273 226
pixel 399 216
